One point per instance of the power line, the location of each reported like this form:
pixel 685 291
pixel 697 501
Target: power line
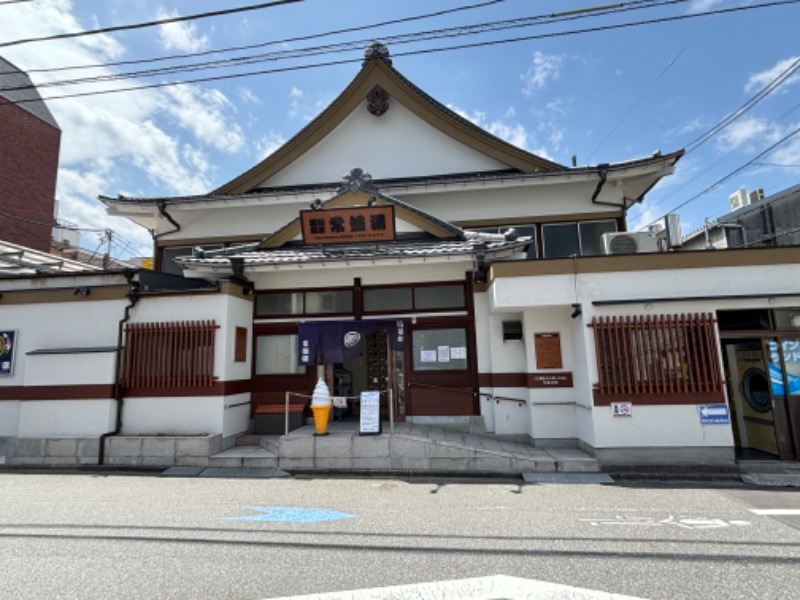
pixel 633 107
pixel 273 43
pixel 206 15
pixel 763 93
pixel 736 171
pixel 419 52
pixel 473 29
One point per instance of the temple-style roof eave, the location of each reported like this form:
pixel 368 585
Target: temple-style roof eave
pixel 305 193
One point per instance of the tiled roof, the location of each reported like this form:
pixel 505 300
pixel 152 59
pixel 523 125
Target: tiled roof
pixel 18 261
pixel 17 88
pixel 355 252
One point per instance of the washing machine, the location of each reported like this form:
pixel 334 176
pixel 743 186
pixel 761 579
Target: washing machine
pixel 754 399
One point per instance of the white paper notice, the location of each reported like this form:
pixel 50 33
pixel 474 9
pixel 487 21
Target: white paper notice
pixel 370 412
pixel 427 356
pixel 444 353
pixel 458 353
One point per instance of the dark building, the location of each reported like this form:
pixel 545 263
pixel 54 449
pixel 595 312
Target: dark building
pixel 30 140
pixel 754 221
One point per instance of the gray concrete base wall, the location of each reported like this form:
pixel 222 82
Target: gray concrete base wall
pixel 128 451
pixel 716 456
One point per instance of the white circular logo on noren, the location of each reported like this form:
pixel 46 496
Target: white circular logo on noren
pixel 351 339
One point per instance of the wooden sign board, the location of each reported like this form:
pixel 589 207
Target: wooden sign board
pixel 370 420
pixel 548 350
pixel 348 225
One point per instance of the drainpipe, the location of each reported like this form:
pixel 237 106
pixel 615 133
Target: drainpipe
pixel 602 171
pixel 162 209
pixel 133 298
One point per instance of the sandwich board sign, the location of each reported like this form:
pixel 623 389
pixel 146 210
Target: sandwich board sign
pixel 370 422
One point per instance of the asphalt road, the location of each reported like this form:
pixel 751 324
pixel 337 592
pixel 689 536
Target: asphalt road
pixel 144 536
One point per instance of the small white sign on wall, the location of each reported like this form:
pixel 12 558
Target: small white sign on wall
pixel 621 409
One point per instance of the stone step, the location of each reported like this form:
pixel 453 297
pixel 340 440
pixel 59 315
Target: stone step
pixel 244 456
pixel 247 439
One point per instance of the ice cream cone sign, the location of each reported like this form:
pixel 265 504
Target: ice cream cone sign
pixel 321 407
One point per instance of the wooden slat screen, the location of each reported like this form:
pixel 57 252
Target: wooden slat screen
pixel 656 354
pixel 169 355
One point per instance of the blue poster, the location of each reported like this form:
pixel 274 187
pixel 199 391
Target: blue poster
pixel 8 340
pixel 791 358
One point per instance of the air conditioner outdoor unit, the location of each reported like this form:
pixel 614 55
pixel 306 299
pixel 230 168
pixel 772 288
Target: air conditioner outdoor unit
pixel 624 242
pixel 739 199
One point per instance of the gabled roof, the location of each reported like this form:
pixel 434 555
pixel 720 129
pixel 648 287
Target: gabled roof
pixel 377 71
pixel 18 260
pixel 17 88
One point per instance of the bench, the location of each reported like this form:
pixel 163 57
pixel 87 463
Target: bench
pixel 270 419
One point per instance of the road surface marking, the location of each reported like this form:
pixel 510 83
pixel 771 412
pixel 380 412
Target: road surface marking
pixel 292 514
pixel 776 511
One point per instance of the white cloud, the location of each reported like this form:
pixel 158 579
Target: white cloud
pixel 544 68
pixel 267 144
pixel 513 133
pixel 703 5
pixel 202 111
pixel 686 128
pixel 746 133
pixel 248 96
pixel 180 36
pixel 759 80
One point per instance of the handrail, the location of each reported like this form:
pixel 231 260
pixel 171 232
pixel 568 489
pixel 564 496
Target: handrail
pixel 507 399
pixel 438 387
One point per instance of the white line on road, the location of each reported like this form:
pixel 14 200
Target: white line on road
pixel 776 511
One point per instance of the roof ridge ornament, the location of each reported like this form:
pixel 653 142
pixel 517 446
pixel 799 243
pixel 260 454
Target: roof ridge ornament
pixel 357 180
pixel 377 50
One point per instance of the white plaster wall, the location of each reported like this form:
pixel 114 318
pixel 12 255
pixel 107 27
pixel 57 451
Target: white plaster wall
pixel 658 426
pixel 530 198
pixel 558 421
pixel 71 369
pixel 236 416
pixel 518 293
pixel 66 418
pixel 398 144
pixel 238 313
pixel 369 273
pixel 9 417
pixel 173 415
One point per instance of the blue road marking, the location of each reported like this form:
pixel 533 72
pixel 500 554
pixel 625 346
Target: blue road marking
pixel 289 514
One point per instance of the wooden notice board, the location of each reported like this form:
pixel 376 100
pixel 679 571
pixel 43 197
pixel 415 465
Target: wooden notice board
pixel 548 350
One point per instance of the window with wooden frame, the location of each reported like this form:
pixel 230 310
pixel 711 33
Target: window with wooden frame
pixel 335 301
pixel 169 355
pixel 666 356
pixel 415 298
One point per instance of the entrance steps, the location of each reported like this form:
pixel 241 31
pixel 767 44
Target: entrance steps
pixel 410 449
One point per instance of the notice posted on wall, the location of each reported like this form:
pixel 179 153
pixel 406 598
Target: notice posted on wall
pixel 427 356
pixel 444 353
pixel 370 422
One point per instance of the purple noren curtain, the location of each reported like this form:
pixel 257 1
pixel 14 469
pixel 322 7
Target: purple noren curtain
pixel 343 340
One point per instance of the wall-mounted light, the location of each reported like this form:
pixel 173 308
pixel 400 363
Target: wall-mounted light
pixel 577 311
pixel 81 291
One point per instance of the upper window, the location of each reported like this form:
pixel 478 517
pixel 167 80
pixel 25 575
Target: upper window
pixel 417 298
pixel 315 302
pixel 581 238
pixel 168 264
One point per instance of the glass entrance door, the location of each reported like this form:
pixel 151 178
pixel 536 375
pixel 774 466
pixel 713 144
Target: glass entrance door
pixel 784 371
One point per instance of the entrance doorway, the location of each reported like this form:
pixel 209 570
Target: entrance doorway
pixel 377 368
pixel 763 379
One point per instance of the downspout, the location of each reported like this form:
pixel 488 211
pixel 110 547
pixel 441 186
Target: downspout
pixel 133 298
pixel 162 209
pixel 602 171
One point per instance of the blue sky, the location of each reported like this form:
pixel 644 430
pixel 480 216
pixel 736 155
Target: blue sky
pixel 601 96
